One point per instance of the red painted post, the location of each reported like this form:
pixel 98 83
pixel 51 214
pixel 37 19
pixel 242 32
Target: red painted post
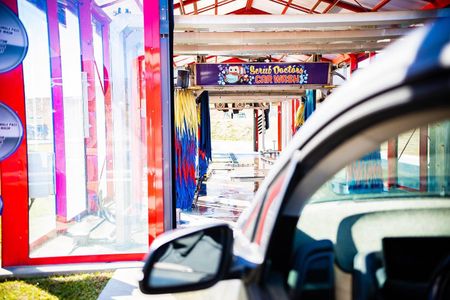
pixel 88 66
pixel 353 62
pixel 423 157
pixel 280 128
pixel 58 107
pixel 153 79
pixel 255 131
pixel 392 153
pixel 14 172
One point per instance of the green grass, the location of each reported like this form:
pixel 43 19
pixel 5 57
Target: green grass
pixel 78 286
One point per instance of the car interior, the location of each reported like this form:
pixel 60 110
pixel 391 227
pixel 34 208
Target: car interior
pixel 399 261
pixel 385 244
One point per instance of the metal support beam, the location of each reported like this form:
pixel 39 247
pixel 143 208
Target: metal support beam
pixel 182 11
pixel 251 99
pixel 277 49
pixel 286 7
pixel 305 22
pixel 249 4
pixel 309 37
pixel 314 6
pixel 259 90
pixel 185 2
pixel 330 6
pixel 195 8
pixel 380 5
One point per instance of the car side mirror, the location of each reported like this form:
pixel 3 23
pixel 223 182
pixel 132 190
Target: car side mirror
pixel 187 259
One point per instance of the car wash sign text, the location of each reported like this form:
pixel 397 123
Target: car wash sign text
pixel 262 74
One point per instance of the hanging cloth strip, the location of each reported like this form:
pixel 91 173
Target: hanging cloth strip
pixel 186 126
pixel 310 104
pixel 204 145
pixel 365 175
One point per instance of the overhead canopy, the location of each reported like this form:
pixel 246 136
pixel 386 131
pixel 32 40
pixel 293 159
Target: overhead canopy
pixel 287 30
pixel 261 35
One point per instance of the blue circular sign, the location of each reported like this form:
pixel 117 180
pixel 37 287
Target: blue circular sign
pixel 11 131
pixel 13 40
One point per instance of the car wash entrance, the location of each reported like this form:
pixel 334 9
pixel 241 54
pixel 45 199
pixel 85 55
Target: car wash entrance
pixel 250 116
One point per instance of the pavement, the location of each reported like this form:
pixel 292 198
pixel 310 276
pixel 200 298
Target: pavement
pixel 64 269
pixel 123 284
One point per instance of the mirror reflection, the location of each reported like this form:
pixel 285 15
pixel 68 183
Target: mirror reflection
pixel 189 259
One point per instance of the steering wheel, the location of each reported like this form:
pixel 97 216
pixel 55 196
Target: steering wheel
pixel 439 288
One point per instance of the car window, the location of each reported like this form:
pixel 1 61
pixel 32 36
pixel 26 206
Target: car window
pixel 399 190
pixel 415 163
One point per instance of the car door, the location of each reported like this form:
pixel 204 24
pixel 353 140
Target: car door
pixel 400 92
pixel 397 95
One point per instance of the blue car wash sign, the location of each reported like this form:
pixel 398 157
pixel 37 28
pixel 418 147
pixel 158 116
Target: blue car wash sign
pixel 11 131
pixel 262 74
pixel 13 40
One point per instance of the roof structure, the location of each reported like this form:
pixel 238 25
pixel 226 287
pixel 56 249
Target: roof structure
pixel 286 30
pixel 281 7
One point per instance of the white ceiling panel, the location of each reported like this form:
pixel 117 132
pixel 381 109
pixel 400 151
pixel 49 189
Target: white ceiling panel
pixel 268 6
pixel 189 8
pixel 321 7
pixel 208 12
pixel 305 3
pixel 292 11
pixel 230 7
pixel 339 10
pixel 204 3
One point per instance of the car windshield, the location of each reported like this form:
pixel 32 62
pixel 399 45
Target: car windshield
pixel 415 164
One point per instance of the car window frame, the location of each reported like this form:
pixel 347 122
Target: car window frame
pixel 396 89
pixel 288 216
pixel 412 119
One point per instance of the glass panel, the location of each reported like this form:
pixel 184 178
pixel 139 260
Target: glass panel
pixel 395 198
pixel 398 169
pixel 98 147
pixel 408 159
pixel 74 115
pixel 100 110
pixel 39 119
pixel 438 180
pixel 128 113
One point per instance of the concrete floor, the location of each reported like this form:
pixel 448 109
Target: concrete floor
pixel 231 184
